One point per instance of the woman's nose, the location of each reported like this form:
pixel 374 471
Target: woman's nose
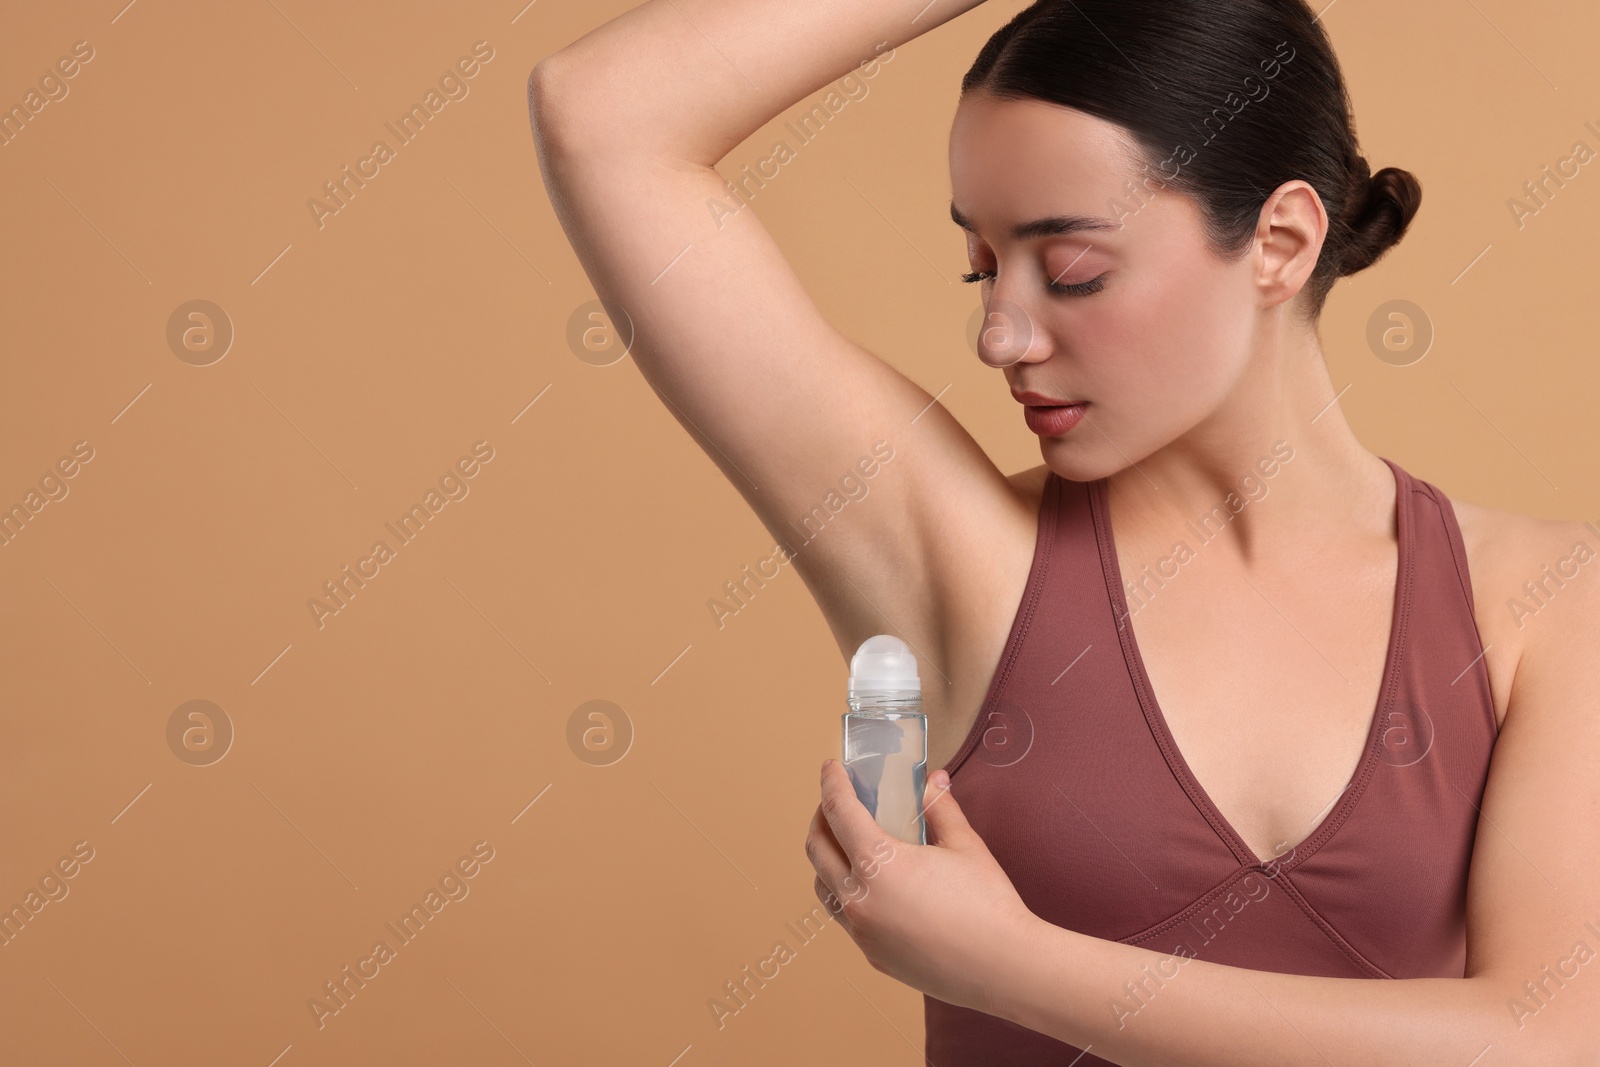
pixel 1007 335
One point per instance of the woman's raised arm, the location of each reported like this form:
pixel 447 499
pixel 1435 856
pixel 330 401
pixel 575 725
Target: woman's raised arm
pixel 628 121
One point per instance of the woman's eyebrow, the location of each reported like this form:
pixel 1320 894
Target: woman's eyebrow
pixel 1051 226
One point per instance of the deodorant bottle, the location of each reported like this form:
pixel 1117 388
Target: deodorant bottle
pixel 886 736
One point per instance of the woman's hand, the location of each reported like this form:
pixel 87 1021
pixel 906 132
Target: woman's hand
pixel 941 917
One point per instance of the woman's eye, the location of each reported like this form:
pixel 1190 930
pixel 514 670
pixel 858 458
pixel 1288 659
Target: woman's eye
pixel 1093 285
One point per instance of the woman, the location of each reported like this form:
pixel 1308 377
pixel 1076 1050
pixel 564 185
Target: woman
pixel 1299 853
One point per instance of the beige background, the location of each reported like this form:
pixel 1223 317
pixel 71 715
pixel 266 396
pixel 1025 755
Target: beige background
pixel 432 712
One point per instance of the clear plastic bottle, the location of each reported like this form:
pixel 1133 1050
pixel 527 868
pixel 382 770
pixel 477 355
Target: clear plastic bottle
pixel 886 736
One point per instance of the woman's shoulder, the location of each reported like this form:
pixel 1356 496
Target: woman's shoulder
pixel 1509 545
pixel 1535 584
pixel 1030 483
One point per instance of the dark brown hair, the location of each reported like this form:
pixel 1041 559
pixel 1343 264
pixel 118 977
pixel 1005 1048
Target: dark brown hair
pixel 1227 99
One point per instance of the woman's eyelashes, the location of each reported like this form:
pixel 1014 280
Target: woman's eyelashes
pixel 1093 285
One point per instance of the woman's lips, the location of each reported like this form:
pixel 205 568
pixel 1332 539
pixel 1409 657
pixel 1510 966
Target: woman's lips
pixel 1053 421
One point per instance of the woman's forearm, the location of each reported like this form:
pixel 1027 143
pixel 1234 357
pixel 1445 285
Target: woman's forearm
pixel 693 78
pixel 1141 1008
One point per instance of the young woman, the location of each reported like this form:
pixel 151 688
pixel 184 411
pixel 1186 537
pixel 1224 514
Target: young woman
pixel 1218 685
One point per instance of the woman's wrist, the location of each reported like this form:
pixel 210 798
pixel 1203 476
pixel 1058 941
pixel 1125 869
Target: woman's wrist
pixel 1041 980
pixel 694 78
pixel 1019 965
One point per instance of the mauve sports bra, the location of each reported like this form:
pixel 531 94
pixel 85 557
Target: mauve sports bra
pixel 1072 778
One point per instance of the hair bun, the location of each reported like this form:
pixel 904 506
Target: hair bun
pixel 1382 206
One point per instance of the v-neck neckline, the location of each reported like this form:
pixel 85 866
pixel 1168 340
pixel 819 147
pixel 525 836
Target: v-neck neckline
pixel 1399 613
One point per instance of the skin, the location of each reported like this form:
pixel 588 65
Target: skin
pixel 1193 367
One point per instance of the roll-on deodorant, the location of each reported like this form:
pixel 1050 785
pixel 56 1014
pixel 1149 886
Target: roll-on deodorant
pixel 886 736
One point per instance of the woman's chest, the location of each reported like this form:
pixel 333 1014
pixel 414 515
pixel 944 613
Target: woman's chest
pixel 1267 687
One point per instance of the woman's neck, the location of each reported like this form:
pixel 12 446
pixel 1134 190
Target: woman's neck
pixel 1275 462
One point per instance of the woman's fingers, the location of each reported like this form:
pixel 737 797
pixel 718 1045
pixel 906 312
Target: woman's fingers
pixel 853 826
pixel 832 867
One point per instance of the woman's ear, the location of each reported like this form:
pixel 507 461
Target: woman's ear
pixel 1289 236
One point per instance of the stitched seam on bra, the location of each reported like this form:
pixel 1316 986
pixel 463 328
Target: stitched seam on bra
pixel 1183 914
pixel 1406 565
pixel 1329 931
pixel 1158 731
pixel 1049 518
pixel 1458 554
pixel 1290 890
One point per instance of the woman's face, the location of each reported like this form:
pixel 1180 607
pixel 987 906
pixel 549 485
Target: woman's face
pixel 1163 333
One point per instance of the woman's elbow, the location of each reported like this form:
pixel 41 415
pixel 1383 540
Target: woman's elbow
pixel 544 99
